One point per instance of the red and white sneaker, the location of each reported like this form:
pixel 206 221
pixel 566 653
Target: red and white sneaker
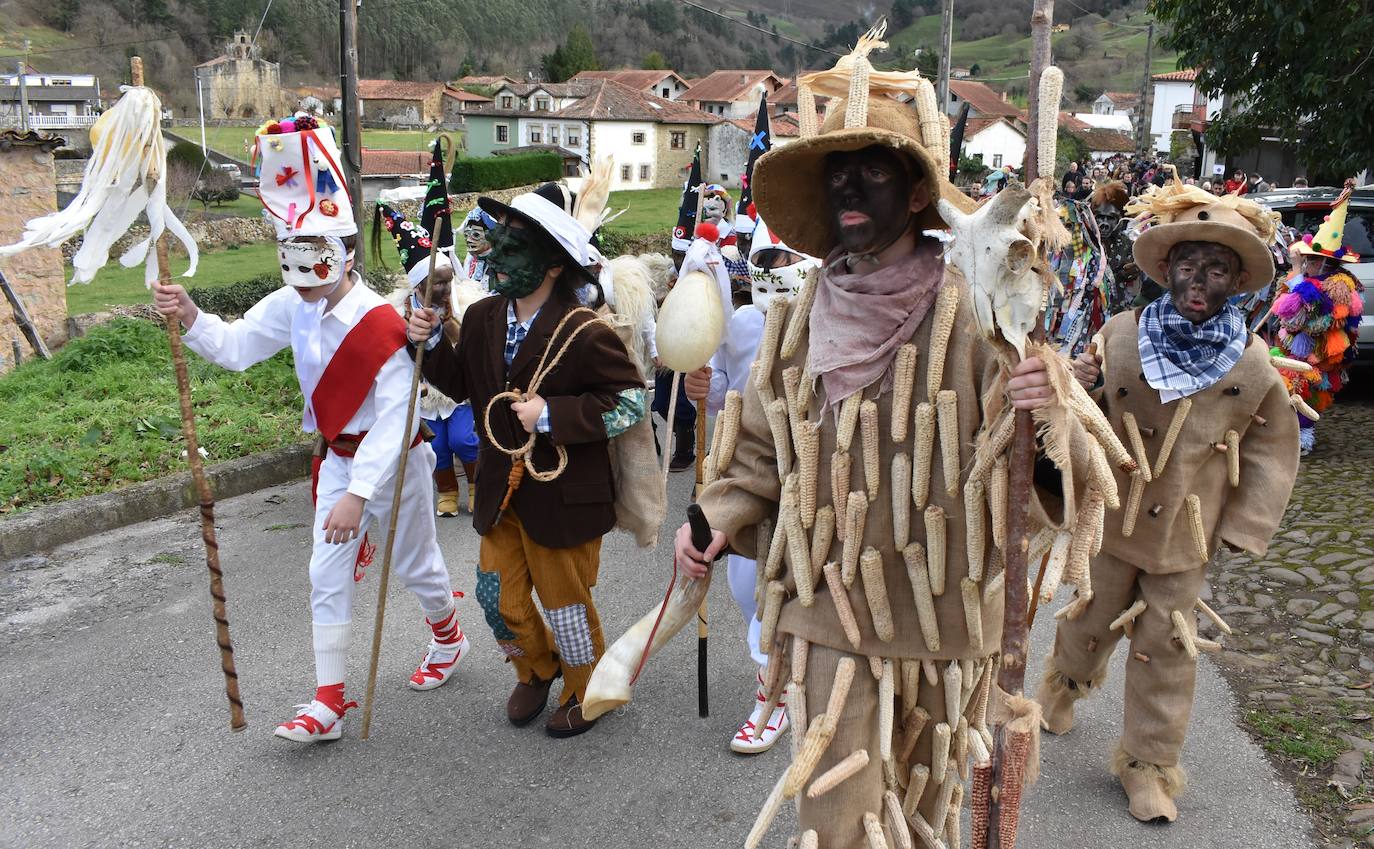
pixel 777 723
pixel 439 665
pixel 314 723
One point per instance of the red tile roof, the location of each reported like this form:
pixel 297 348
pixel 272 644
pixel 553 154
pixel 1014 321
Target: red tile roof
pixel 1105 141
pixel 982 99
pixel 488 80
pixel 396 89
pixel 460 94
pixel 1123 98
pixel 978 125
pixel 1068 122
pixel 608 100
pixel 780 124
pixel 631 77
pixel 1184 76
pixel 383 163
pixel 729 86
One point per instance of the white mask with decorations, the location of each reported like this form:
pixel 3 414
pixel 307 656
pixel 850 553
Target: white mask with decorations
pixel 767 284
pixel 308 262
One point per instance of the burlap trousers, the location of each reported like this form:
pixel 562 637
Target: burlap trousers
pixel 511 567
pixel 916 772
pixel 1160 675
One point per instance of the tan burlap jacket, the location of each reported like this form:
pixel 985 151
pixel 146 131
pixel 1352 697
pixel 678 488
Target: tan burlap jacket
pixel 1251 400
pixel 749 489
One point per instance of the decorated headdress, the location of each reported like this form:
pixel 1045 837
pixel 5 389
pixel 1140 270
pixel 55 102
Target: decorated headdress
pixel 1329 240
pixel 435 215
pixel 477 216
pixel 301 183
pixel 895 109
pixel 760 142
pixel 413 244
pixel 687 210
pixel 1175 212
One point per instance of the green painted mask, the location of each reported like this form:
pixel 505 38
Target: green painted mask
pixel 522 256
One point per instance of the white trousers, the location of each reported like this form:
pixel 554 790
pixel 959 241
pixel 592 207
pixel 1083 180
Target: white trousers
pixel 415 561
pixel 742 574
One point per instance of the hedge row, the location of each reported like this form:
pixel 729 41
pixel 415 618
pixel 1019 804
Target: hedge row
pixel 235 299
pixel 503 172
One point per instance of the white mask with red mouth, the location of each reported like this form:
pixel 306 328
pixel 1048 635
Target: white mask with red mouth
pixel 309 262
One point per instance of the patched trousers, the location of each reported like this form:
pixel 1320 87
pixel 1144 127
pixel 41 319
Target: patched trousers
pixel 511 568
pixel 1160 674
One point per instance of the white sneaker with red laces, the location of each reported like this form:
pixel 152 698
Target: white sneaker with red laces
pixel 314 723
pixel 438 666
pixel 744 742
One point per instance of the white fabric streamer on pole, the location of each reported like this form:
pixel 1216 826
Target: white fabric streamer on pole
pixel 126 175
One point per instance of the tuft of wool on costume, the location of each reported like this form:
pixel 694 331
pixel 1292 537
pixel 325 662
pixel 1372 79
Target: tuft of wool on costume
pixel 1319 319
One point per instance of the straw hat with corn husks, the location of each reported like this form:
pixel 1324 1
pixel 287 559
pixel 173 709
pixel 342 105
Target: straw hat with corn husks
pixel 895 109
pixel 1177 213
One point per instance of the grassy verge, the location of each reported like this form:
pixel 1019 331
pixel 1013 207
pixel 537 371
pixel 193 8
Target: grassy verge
pixel 649 211
pixel 102 413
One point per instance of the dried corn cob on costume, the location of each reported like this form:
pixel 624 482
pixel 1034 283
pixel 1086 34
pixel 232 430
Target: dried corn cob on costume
pixel 777 273
pixel 870 607
pixel 1217 453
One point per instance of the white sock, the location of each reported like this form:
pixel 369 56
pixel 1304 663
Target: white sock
pixel 331 653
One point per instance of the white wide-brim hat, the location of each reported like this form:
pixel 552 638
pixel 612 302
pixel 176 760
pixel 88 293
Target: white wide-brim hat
pixel 539 212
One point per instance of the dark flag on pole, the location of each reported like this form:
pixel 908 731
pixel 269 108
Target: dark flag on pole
pixel 687 213
pixel 436 204
pixel 759 143
pixel 956 139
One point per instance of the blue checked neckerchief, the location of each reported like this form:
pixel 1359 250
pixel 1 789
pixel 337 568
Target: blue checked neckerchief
pixel 1180 358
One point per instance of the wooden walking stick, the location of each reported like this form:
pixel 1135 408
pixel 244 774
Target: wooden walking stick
pixel 203 493
pixel 407 437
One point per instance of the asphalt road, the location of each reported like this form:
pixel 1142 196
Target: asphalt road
pixel 115 728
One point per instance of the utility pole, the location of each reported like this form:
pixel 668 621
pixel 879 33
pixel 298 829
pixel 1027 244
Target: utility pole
pixel 1042 21
pixel 352 124
pixel 23 100
pixel 946 44
pixel 1145 115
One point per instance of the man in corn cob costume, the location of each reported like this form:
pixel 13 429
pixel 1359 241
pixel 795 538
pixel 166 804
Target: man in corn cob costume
pixel 1195 397
pixel 879 605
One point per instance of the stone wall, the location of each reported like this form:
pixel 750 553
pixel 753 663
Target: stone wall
pixel 242 88
pixel 27 190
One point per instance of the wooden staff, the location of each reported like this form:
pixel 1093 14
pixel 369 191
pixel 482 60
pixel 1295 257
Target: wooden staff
pixel 407 437
pixel 703 623
pixel 203 494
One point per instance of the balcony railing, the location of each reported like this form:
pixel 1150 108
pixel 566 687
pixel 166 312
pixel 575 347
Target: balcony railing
pixel 50 122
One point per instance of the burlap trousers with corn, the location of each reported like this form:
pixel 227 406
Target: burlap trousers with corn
pixel 512 567
pixel 920 789
pixel 1160 673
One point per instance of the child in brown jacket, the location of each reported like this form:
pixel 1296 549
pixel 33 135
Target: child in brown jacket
pixel 1193 394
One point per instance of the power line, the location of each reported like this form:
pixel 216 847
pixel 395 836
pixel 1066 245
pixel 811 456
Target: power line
pixel 1105 20
pixel 766 32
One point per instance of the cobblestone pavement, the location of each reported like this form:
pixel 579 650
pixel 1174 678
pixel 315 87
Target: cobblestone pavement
pixel 1302 656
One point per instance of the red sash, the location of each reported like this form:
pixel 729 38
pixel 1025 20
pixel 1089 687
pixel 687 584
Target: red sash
pixel 344 386
pixel 351 371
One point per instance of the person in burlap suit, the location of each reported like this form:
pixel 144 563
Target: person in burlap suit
pixel 1193 392
pixel 881 334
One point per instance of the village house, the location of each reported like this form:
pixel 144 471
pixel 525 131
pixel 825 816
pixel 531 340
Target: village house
pixel 54 101
pixel 389 169
pixel 401 103
pixel 652 138
pixel 539 97
pixel 1177 105
pixel 318 100
pixel 665 84
pixel 995 142
pixel 731 94
pixel 458 102
pixel 240 83
pixel 485 81
pixel 784 101
pixel 730 140
pixel 1102 143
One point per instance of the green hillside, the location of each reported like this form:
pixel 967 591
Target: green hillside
pixel 1097 53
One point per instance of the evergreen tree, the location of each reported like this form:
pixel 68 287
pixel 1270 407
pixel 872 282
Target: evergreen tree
pixel 654 61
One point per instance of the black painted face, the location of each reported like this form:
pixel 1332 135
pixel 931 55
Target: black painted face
pixel 1202 275
pixel 869 194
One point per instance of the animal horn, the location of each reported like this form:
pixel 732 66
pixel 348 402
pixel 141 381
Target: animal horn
pixel 613 678
pixel 1005 206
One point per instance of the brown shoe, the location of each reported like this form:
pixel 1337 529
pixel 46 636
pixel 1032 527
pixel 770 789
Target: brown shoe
pixel 528 700
pixel 568 720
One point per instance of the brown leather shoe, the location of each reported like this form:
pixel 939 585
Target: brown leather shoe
pixel 528 700
pixel 568 720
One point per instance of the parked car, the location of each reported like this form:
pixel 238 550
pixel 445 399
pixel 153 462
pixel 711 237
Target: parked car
pixel 1304 209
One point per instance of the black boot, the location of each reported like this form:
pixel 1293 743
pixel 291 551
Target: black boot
pixel 684 451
